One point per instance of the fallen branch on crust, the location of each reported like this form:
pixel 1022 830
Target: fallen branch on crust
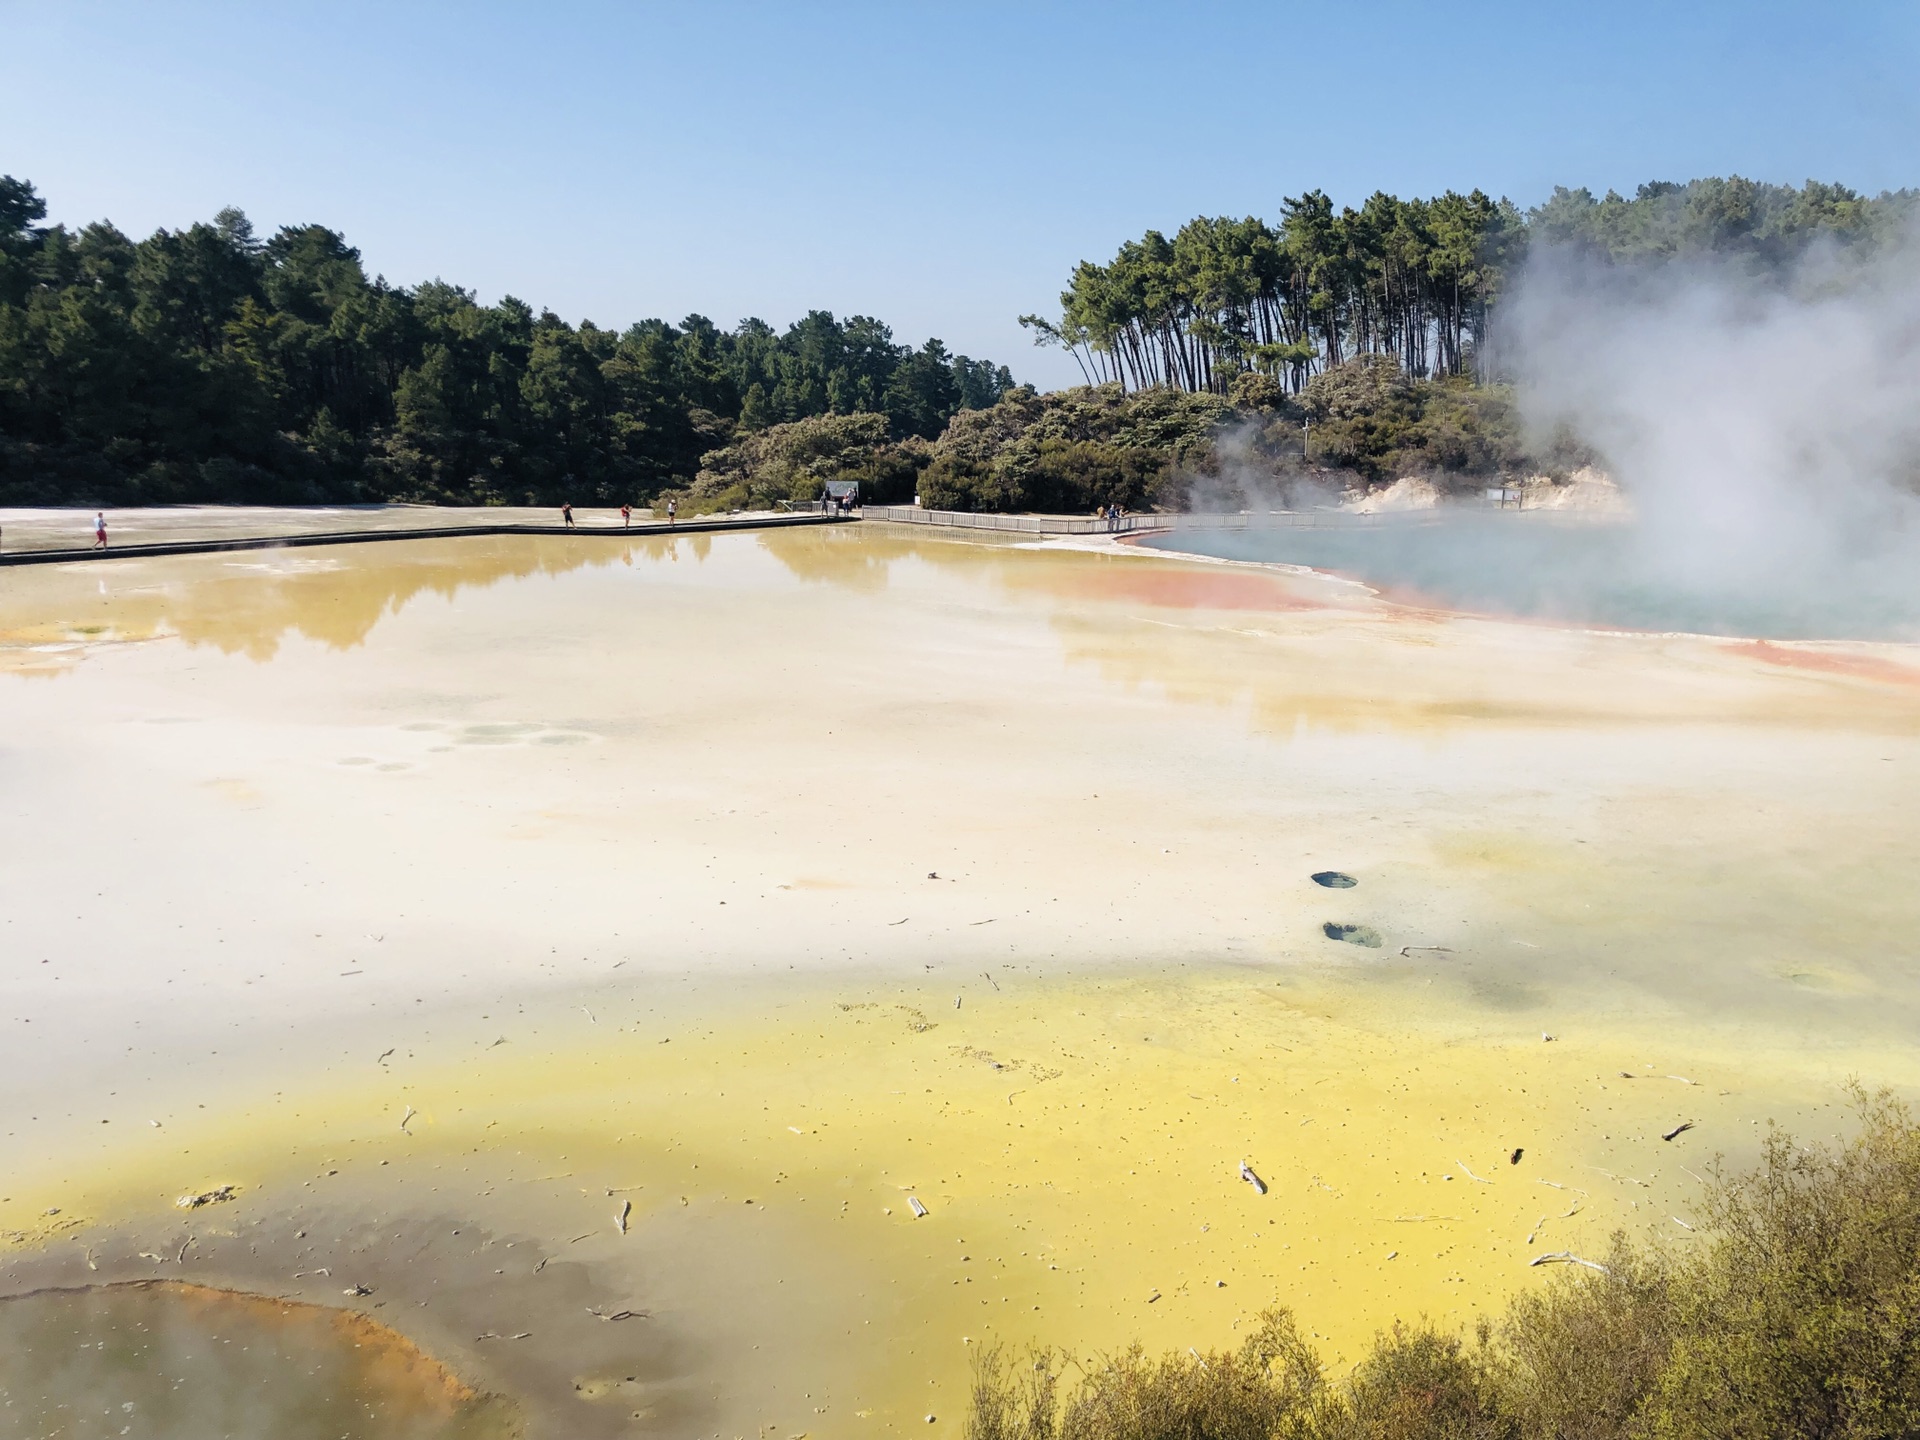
pixel 1567 1257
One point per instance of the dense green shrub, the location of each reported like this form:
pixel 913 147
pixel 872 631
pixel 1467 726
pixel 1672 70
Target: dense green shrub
pixel 793 462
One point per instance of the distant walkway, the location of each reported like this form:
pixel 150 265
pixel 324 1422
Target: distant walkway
pixel 1130 524
pixel 281 530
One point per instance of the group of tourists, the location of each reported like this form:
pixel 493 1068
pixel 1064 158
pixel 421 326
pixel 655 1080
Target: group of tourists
pixel 626 514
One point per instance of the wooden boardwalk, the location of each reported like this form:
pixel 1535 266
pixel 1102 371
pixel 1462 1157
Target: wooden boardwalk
pixel 703 526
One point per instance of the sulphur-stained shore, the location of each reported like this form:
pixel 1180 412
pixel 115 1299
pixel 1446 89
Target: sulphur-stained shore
pixel 581 955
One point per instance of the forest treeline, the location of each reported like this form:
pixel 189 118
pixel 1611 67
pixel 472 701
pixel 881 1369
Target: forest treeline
pixel 1337 346
pixel 1243 361
pixel 1786 1312
pixel 208 364
pixel 1415 279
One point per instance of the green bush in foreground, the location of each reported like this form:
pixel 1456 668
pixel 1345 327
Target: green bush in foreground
pixel 1794 1312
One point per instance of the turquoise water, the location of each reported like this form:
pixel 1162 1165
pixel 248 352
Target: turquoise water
pixel 1609 576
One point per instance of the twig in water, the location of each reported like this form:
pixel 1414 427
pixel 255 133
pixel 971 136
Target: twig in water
pixel 1569 1258
pixel 919 1210
pixel 1469 1174
pixel 406 1118
pixel 1572 1209
pixel 1246 1174
pixel 589 1014
pixel 626 1209
pixel 901 921
pixel 1407 950
pixel 1680 1129
pixel 302 1274
pixel 620 1314
pixel 988 921
pixel 1683 1080
pixel 1681 1223
pixel 988 974
pixel 1621 1179
pixel 383 1058
pixel 1538 1226
pixel 181 1258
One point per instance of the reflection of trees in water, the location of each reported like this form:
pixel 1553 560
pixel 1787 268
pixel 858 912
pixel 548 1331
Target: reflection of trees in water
pixel 833 555
pixel 248 607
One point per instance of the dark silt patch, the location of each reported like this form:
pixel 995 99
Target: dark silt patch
pixel 158 1360
pixel 1334 879
pixel 1353 934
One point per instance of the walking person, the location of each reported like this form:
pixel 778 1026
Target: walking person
pixel 566 513
pixel 626 517
pixel 100 531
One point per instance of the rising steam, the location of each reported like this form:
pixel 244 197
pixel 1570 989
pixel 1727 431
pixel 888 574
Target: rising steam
pixel 1765 427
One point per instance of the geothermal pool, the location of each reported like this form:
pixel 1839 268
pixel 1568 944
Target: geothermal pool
pixel 579 955
pixel 1606 571
pixel 161 1358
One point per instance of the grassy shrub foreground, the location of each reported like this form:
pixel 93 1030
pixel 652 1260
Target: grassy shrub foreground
pixel 1793 1311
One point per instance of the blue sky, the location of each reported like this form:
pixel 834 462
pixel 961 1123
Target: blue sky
pixel 942 167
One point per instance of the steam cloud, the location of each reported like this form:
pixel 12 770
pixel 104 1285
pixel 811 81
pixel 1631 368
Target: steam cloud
pixel 1765 429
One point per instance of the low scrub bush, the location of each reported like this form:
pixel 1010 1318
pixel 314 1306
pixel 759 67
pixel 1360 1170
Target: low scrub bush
pixel 1793 1314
